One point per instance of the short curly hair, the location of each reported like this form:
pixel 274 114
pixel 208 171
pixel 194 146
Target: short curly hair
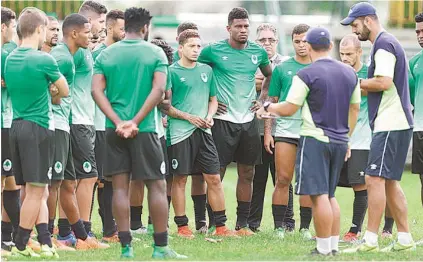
pixel 418 18
pixel 7 15
pixel 185 26
pixel 113 15
pixel 93 6
pixel 187 34
pixel 168 50
pixel 237 13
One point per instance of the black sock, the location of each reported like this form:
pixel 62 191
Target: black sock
pixel 6 231
pixel 109 222
pixel 278 212
pixel 220 218
pixel 44 236
pixel 22 238
pixel 136 212
pixel 87 225
pixel 359 210
pixel 212 221
pixel 181 220
pixel 305 217
pixel 79 230
pixel 169 200
pixel 389 224
pixel 160 239
pixel 51 226
pixel 150 221
pixel 199 210
pixel 242 212
pixel 125 238
pixel 100 194
pixel 64 227
pixel 12 206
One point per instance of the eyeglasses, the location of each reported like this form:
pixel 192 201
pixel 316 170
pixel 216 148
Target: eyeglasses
pixel 270 40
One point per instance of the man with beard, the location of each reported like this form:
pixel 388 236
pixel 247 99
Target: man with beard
pixel 133 148
pixel 236 130
pixel 115 26
pixel 391 121
pixel 52 35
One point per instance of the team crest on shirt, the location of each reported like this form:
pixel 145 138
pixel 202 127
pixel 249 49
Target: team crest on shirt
pixel 7 165
pixel 87 167
pixel 254 59
pixel 49 175
pixel 175 163
pixel 204 77
pixel 58 167
pixel 163 168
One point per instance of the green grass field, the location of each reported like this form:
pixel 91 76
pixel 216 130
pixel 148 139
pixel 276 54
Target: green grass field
pixel 263 246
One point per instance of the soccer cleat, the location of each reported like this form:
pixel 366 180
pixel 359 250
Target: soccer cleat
pixel 150 229
pixel 7 245
pixel 48 252
pixel 397 247
pixel 27 252
pixel 61 246
pixel 185 232
pixel 211 231
pixel 69 240
pixel 306 234
pixel 112 239
pixel 166 253
pixel 140 231
pixel 224 231
pixel 280 233
pixel 386 234
pixel 127 252
pixel 90 243
pixel 255 229
pixel 91 234
pixel 244 232
pixel 350 237
pixel 202 231
pixel 361 247
pixel 316 252
pixel 34 245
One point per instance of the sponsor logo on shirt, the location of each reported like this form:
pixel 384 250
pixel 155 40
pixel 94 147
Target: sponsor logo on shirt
pixel 182 79
pixel 224 58
pixel 254 59
pixel 204 77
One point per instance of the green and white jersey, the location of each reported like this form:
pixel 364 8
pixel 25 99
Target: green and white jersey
pixel 362 135
pixel 416 69
pixel 234 71
pixel 129 68
pixel 191 92
pixel 83 106
pixel 279 87
pixel 160 128
pixel 99 117
pixel 62 111
pixel 30 95
pixel 6 103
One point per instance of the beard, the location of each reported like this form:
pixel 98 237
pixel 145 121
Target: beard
pixel 364 36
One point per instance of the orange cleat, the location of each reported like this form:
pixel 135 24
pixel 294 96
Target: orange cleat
pixel 60 246
pixel 245 231
pixel 350 237
pixel 185 232
pixel 112 239
pixel 34 245
pixel 223 231
pixel 90 243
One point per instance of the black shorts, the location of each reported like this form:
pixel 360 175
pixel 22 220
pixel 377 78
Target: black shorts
pixel 142 156
pixel 289 140
pixel 83 143
pixel 100 152
pixel 6 157
pixel 32 150
pixel 63 167
pixel 166 159
pixel 388 153
pixel 417 158
pixel 318 166
pixel 352 172
pixel 237 142
pixel 196 154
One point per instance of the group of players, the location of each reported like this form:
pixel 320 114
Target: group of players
pixel 106 110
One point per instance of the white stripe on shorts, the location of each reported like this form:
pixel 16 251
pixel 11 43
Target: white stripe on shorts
pixel 383 153
pixel 301 166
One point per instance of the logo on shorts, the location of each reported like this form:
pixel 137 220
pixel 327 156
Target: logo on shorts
pixel 373 167
pixel 361 173
pixel 163 168
pixel 254 59
pixel 204 77
pixel 7 165
pixel 175 163
pixel 49 175
pixel 87 167
pixel 58 167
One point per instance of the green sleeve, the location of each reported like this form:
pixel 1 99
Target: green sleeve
pixel 78 57
pixel 411 82
pixel 161 63
pixel 206 56
pixel 213 90
pixel 276 82
pixel 98 65
pixel 168 81
pixel 65 66
pixel 4 55
pixel 264 58
pixel 50 68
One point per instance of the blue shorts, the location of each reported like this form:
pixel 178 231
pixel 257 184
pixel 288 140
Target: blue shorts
pixel 318 167
pixel 388 153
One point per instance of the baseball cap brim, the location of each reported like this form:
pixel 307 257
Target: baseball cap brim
pixel 348 20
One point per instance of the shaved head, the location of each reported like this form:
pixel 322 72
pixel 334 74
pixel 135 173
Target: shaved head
pixel 351 39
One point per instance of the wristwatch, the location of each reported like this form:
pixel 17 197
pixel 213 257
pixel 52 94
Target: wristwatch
pixel 266 105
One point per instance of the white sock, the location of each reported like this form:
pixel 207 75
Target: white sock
pixel 371 238
pixel 323 245
pixel 334 243
pixel 404 238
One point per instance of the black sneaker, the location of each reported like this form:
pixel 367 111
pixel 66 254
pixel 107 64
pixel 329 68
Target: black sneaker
pixel 7 245
pixel 255 229
pixel 316 252
pixel 335 252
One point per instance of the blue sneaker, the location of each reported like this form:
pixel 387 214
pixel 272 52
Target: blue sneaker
pixel 69 240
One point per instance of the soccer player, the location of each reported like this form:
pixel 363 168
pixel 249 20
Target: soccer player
pixel 391 121
pixel 115 26
pixel 324 87
pixel 267 37
pixel 82 128
pixel 352 173
pixel 52 35
pixel 182 27
pixel 10 191
pixel 32 131
pixel 191 147
pixel 236 130
pixel 287 135
pixel 133 148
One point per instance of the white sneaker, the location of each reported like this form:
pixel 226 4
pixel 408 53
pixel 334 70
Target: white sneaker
pixel 140 231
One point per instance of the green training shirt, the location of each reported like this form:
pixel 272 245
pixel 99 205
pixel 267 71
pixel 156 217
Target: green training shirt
pixel 416 70
pixel 99 117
